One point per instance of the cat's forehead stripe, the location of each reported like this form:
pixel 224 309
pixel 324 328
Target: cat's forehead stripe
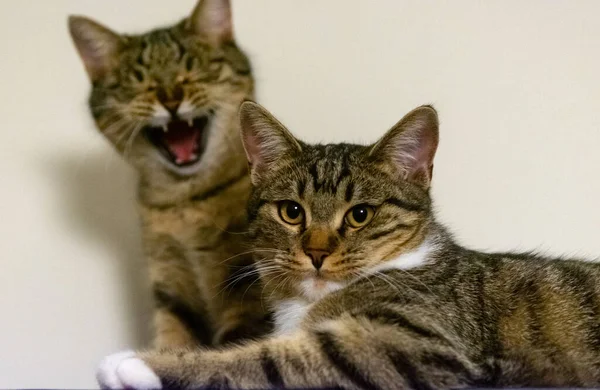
pixel 329 169
pixel 349 191
pixel 301 187
pixel 160 45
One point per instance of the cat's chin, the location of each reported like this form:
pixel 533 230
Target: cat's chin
pixel 315 288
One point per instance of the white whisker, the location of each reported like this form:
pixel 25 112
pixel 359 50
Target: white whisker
pixel 255 250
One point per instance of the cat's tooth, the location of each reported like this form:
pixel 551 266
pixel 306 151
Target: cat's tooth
pixel 190 123
pixel 178 160
pixel 193 156
pixel 165 128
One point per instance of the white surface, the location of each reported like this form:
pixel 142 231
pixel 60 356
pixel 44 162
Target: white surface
pixel 516 84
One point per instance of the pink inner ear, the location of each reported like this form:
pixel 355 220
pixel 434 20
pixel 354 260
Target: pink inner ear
pixel 220 17
pixel 417 159
pixel 424 153
pixel 252 148
pixel 96 44
pixel 93 55
pixel 212 19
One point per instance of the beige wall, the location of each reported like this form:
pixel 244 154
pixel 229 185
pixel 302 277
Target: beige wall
pixel 516 84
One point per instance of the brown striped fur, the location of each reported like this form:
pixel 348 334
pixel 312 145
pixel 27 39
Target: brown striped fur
pixel 193 218
pixel 443 317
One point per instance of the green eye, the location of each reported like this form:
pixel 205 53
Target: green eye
pixel 291 212
pixel 359 216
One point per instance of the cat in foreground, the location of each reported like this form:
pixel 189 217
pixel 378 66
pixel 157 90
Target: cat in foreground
pixel 167 100
pixel 370 292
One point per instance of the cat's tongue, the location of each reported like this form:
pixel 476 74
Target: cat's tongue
pixel 182 141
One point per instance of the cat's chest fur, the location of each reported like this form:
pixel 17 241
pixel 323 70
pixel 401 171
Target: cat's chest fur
pixel 290 313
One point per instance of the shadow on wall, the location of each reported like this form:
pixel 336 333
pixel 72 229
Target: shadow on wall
pixel 99 201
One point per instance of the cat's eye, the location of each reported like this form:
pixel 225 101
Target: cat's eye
pixel 189 63
pixel 139 75
pixel 291 212
pixel 360 215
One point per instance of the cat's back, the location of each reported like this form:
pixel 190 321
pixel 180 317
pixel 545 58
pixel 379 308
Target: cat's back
pixel 543 311
pixel 521 295
pixel 513 272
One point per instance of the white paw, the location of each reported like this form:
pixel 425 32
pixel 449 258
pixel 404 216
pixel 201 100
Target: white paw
pixel 124 370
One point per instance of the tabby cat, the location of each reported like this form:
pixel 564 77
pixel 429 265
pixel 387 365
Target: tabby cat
pixel 167 100
pixel 371 292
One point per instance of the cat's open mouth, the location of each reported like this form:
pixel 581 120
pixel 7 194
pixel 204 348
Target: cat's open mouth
pixel 181 142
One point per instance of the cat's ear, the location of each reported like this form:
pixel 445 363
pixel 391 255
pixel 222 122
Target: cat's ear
pixel 266 141
pixel 97 45
pixel 409 147
pixel 212 20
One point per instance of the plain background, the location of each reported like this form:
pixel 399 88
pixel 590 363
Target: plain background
pixel 516 84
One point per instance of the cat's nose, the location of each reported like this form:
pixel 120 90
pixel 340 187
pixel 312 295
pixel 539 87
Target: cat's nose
pixel 171 100
pixel 317 256
pixel 172 106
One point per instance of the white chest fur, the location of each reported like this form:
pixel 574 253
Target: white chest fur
pixel 413 259
pixel 289 314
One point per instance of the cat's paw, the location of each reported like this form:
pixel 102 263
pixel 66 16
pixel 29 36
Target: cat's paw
pixel 124 370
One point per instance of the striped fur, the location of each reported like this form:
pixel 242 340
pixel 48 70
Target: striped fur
pixel 416 310
pixel 193 217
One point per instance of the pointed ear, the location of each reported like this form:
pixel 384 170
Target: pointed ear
pixel 409 147
pixel 212 20
pixel 266 141
pixel 97 45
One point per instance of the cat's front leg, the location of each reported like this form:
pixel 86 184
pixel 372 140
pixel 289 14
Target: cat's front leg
pixel 350 353
pixel 290 361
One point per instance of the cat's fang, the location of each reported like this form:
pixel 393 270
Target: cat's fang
pixel 190 122
pixel 165 128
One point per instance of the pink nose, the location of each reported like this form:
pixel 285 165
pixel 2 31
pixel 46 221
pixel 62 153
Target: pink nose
pixel 317 256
